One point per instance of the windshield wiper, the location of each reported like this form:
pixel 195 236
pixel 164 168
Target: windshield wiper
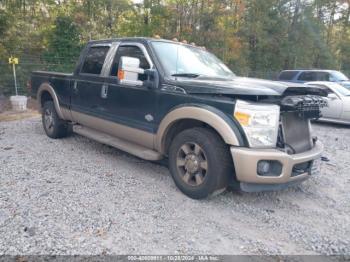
pixel 190 75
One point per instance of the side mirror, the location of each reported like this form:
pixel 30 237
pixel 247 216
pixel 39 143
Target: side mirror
pixel 129 70
pixel 152 81
pixel 332 96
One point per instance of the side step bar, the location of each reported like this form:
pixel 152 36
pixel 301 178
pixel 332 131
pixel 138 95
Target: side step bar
pixel 123 145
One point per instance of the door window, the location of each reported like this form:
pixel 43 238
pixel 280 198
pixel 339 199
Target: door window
pixel 287 75
pixel 322 76
pixel 308 76
pixel 131 51
pixel 94 60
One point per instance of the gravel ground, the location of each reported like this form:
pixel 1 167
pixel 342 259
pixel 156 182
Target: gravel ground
pixel 76 196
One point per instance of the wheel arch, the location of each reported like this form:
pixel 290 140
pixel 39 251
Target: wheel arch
pixel 45 92
pixel 197 115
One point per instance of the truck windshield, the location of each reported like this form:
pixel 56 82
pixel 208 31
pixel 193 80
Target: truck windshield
pixel 342 90
pixel 181 60
pixel 339 76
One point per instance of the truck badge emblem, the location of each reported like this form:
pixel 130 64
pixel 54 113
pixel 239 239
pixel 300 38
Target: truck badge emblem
pixel 149 117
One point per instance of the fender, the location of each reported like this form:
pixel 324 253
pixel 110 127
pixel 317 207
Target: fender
pixel 47 87
pixel 225 126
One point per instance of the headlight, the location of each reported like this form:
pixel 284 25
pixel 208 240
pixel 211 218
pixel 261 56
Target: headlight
pixel 259 122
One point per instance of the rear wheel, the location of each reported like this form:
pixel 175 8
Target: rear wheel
pixel 54 126
pixel 200 162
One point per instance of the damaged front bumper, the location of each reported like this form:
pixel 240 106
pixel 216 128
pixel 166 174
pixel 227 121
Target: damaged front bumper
pixel 285 170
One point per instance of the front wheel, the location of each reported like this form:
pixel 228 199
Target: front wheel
pixel 54 126
pixel 200 162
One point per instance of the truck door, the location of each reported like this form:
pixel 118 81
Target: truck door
pixel 88 83
pixel 131 106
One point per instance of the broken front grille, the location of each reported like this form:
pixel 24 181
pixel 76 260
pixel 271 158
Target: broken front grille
pixel 307 107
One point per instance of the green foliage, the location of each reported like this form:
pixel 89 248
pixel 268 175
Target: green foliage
pixel 63 45
pixel 254 37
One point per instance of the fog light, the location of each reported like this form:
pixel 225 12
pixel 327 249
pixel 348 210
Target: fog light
pixel 269 168
pixel 263 168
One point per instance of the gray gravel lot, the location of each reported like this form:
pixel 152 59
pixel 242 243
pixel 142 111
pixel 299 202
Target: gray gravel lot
pixel 76 196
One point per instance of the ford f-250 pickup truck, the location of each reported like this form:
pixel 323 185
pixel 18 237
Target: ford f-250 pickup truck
pixel 156 99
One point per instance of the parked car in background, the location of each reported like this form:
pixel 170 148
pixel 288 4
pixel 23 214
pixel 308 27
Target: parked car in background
pixel 303 76
pixel 338 110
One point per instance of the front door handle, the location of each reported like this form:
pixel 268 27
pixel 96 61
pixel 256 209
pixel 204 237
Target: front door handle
pixel 104 91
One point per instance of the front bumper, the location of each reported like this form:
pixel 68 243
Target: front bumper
pixel 246 162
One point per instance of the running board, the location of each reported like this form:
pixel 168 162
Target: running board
pixel 123 145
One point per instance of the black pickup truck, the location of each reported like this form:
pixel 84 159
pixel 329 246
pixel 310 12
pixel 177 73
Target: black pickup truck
pixel 157 99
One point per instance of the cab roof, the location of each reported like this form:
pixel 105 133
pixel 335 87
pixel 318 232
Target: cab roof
pixel 137 39
pixel 309 70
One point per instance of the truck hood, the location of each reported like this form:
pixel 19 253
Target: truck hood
pixel 246 86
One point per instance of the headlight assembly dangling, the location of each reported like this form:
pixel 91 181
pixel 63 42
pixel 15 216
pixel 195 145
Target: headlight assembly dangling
pixel 259 121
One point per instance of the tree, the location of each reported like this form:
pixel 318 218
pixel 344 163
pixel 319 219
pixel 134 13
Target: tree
pixel 63 45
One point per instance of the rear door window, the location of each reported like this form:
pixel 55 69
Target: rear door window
pixel 323 76
pixel 287 75
pixel 94 60
pixel 308 76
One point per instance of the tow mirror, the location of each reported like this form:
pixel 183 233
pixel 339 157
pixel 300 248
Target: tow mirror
pixel 129 70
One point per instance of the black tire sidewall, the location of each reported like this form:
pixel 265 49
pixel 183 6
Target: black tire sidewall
pixel 215 179
pixel 58 127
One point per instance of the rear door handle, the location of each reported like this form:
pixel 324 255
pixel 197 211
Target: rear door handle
pixel 104 91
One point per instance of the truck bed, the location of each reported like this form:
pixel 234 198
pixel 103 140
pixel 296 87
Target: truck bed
pixel 61 83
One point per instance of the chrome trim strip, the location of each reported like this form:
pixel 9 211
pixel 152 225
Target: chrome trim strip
pixel 173 89
pixel 106 69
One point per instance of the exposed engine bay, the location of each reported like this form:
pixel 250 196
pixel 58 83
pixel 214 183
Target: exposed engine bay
pixel 294 134
pixel 307 106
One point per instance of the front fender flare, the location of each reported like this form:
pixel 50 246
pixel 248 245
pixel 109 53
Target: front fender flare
pixel 225 126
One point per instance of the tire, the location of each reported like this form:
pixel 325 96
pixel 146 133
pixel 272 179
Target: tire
pixel 200 162
pixel 54 126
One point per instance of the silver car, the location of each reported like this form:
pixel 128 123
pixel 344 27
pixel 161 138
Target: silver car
pixel 338 110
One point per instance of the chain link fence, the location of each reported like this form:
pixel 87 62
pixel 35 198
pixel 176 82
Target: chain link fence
pixel 27 64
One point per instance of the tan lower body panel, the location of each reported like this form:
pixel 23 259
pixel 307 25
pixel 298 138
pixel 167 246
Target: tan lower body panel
pixel 124 145
pixel 133 135
pixel 246 161
pixel 66 114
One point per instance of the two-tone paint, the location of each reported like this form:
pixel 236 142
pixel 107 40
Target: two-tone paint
pixel 149 118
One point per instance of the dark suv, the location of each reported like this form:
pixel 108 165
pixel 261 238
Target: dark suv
pixel 303 76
